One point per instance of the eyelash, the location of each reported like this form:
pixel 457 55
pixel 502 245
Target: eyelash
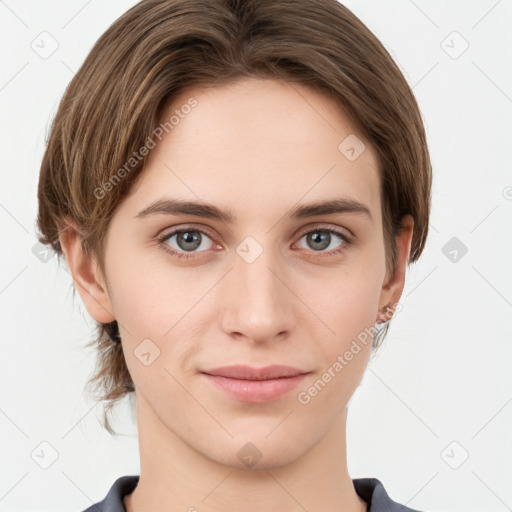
pixel 162 239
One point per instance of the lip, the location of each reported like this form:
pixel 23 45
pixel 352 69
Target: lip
pixel 255 385
pixel 246 372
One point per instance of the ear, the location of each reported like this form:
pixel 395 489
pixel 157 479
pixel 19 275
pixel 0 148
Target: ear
pixel 394 285
pixel 86 275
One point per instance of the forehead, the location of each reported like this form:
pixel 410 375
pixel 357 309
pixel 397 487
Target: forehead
pixel 258 144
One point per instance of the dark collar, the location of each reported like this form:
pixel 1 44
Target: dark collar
pixel 370 490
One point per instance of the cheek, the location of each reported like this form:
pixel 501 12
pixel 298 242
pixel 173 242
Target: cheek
pixel 348 306
pixel 144 295
pixel 156 305
pixel 347 299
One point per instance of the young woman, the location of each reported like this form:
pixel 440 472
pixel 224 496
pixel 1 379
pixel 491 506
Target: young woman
pixel 237 188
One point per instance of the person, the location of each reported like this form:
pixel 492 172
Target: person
pixel 199 156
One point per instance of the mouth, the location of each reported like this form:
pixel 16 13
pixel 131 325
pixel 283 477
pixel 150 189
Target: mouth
pixel 255 385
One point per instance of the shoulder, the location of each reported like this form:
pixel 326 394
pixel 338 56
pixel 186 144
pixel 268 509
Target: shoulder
pixel 372 491
pixel 113 501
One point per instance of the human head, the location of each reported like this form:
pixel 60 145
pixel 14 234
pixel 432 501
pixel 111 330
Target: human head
pixel 160 49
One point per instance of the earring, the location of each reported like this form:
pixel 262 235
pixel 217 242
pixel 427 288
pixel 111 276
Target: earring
pixel 384 313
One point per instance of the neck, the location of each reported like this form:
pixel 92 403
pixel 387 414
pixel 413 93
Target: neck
pixel 176 477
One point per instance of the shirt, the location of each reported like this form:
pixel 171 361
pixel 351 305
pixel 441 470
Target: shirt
pixel 370 490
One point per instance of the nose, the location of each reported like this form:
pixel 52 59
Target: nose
pixel 257 303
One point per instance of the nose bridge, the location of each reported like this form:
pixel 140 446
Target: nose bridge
pixel 259 304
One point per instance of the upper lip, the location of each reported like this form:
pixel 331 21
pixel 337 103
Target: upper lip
pixel 245 372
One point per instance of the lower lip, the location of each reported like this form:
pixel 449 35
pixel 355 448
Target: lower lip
pixel 256 391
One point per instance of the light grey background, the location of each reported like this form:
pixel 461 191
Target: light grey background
pixel 441 388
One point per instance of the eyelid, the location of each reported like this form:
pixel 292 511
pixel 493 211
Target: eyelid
pixel 304 230
pixel 340 231
pixel 203 229
pixel 168 232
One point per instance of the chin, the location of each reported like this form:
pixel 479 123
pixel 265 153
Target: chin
pixel 257 453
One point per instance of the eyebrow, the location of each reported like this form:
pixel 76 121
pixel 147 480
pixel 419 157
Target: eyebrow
pixel 209 211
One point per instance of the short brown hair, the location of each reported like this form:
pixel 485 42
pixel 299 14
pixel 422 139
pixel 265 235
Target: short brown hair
pixel 158 49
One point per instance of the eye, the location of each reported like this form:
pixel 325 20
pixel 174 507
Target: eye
pixel 322 238
pixel 185 240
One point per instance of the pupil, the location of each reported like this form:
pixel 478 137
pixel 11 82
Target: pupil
pixel 319 237
pixel 190 241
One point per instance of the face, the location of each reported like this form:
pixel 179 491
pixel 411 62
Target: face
pixel 269 282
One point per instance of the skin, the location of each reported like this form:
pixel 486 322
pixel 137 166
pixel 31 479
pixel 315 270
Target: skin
pixel 258 148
